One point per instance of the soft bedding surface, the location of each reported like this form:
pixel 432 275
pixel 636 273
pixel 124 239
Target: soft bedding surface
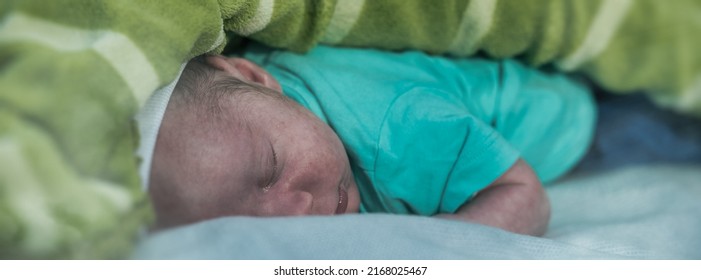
pixel 648 212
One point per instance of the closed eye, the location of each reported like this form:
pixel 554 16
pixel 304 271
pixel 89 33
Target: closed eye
pixel 273 173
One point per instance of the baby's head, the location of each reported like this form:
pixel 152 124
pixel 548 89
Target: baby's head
pixel 231 144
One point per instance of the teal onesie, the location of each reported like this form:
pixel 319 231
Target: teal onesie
pixel 425 133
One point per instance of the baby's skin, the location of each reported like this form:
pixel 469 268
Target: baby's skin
pixel 258 153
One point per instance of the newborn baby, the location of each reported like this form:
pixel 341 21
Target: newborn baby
pixel 457 139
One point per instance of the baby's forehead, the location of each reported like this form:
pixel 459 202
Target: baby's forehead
pixel 213 98
pixel 229 113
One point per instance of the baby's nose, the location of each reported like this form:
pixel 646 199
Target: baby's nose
pixel 292 203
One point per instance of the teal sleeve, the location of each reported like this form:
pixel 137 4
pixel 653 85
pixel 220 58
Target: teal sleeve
pixel 433 158
pixel 548 118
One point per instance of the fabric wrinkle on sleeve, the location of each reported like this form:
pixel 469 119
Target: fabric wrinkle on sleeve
pixel 434 155
pixel 549 118
pixel 484 157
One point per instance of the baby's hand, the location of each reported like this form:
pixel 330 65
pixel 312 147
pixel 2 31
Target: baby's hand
pixel 515 202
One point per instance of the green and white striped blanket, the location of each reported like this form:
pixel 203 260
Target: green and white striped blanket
pixel 74 72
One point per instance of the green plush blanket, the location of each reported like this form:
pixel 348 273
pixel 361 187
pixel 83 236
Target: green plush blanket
pixel 74 72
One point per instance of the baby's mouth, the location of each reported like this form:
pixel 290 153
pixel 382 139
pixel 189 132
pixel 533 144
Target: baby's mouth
pixel 342 201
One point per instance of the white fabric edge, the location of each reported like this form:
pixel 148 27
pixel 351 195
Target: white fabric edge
pixel 149 120
pixel 150 116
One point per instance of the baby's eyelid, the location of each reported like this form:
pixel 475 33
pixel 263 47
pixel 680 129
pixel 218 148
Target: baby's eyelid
pixel 275 168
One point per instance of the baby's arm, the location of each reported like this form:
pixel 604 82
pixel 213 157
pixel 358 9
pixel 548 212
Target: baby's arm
pixel 515 202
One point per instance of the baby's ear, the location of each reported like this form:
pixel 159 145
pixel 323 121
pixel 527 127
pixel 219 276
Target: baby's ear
pixel 244 69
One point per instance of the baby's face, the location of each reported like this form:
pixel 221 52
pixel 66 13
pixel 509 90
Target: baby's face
pixel 272 158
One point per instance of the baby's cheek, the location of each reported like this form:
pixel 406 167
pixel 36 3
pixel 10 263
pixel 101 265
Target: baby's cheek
pixel 353 201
